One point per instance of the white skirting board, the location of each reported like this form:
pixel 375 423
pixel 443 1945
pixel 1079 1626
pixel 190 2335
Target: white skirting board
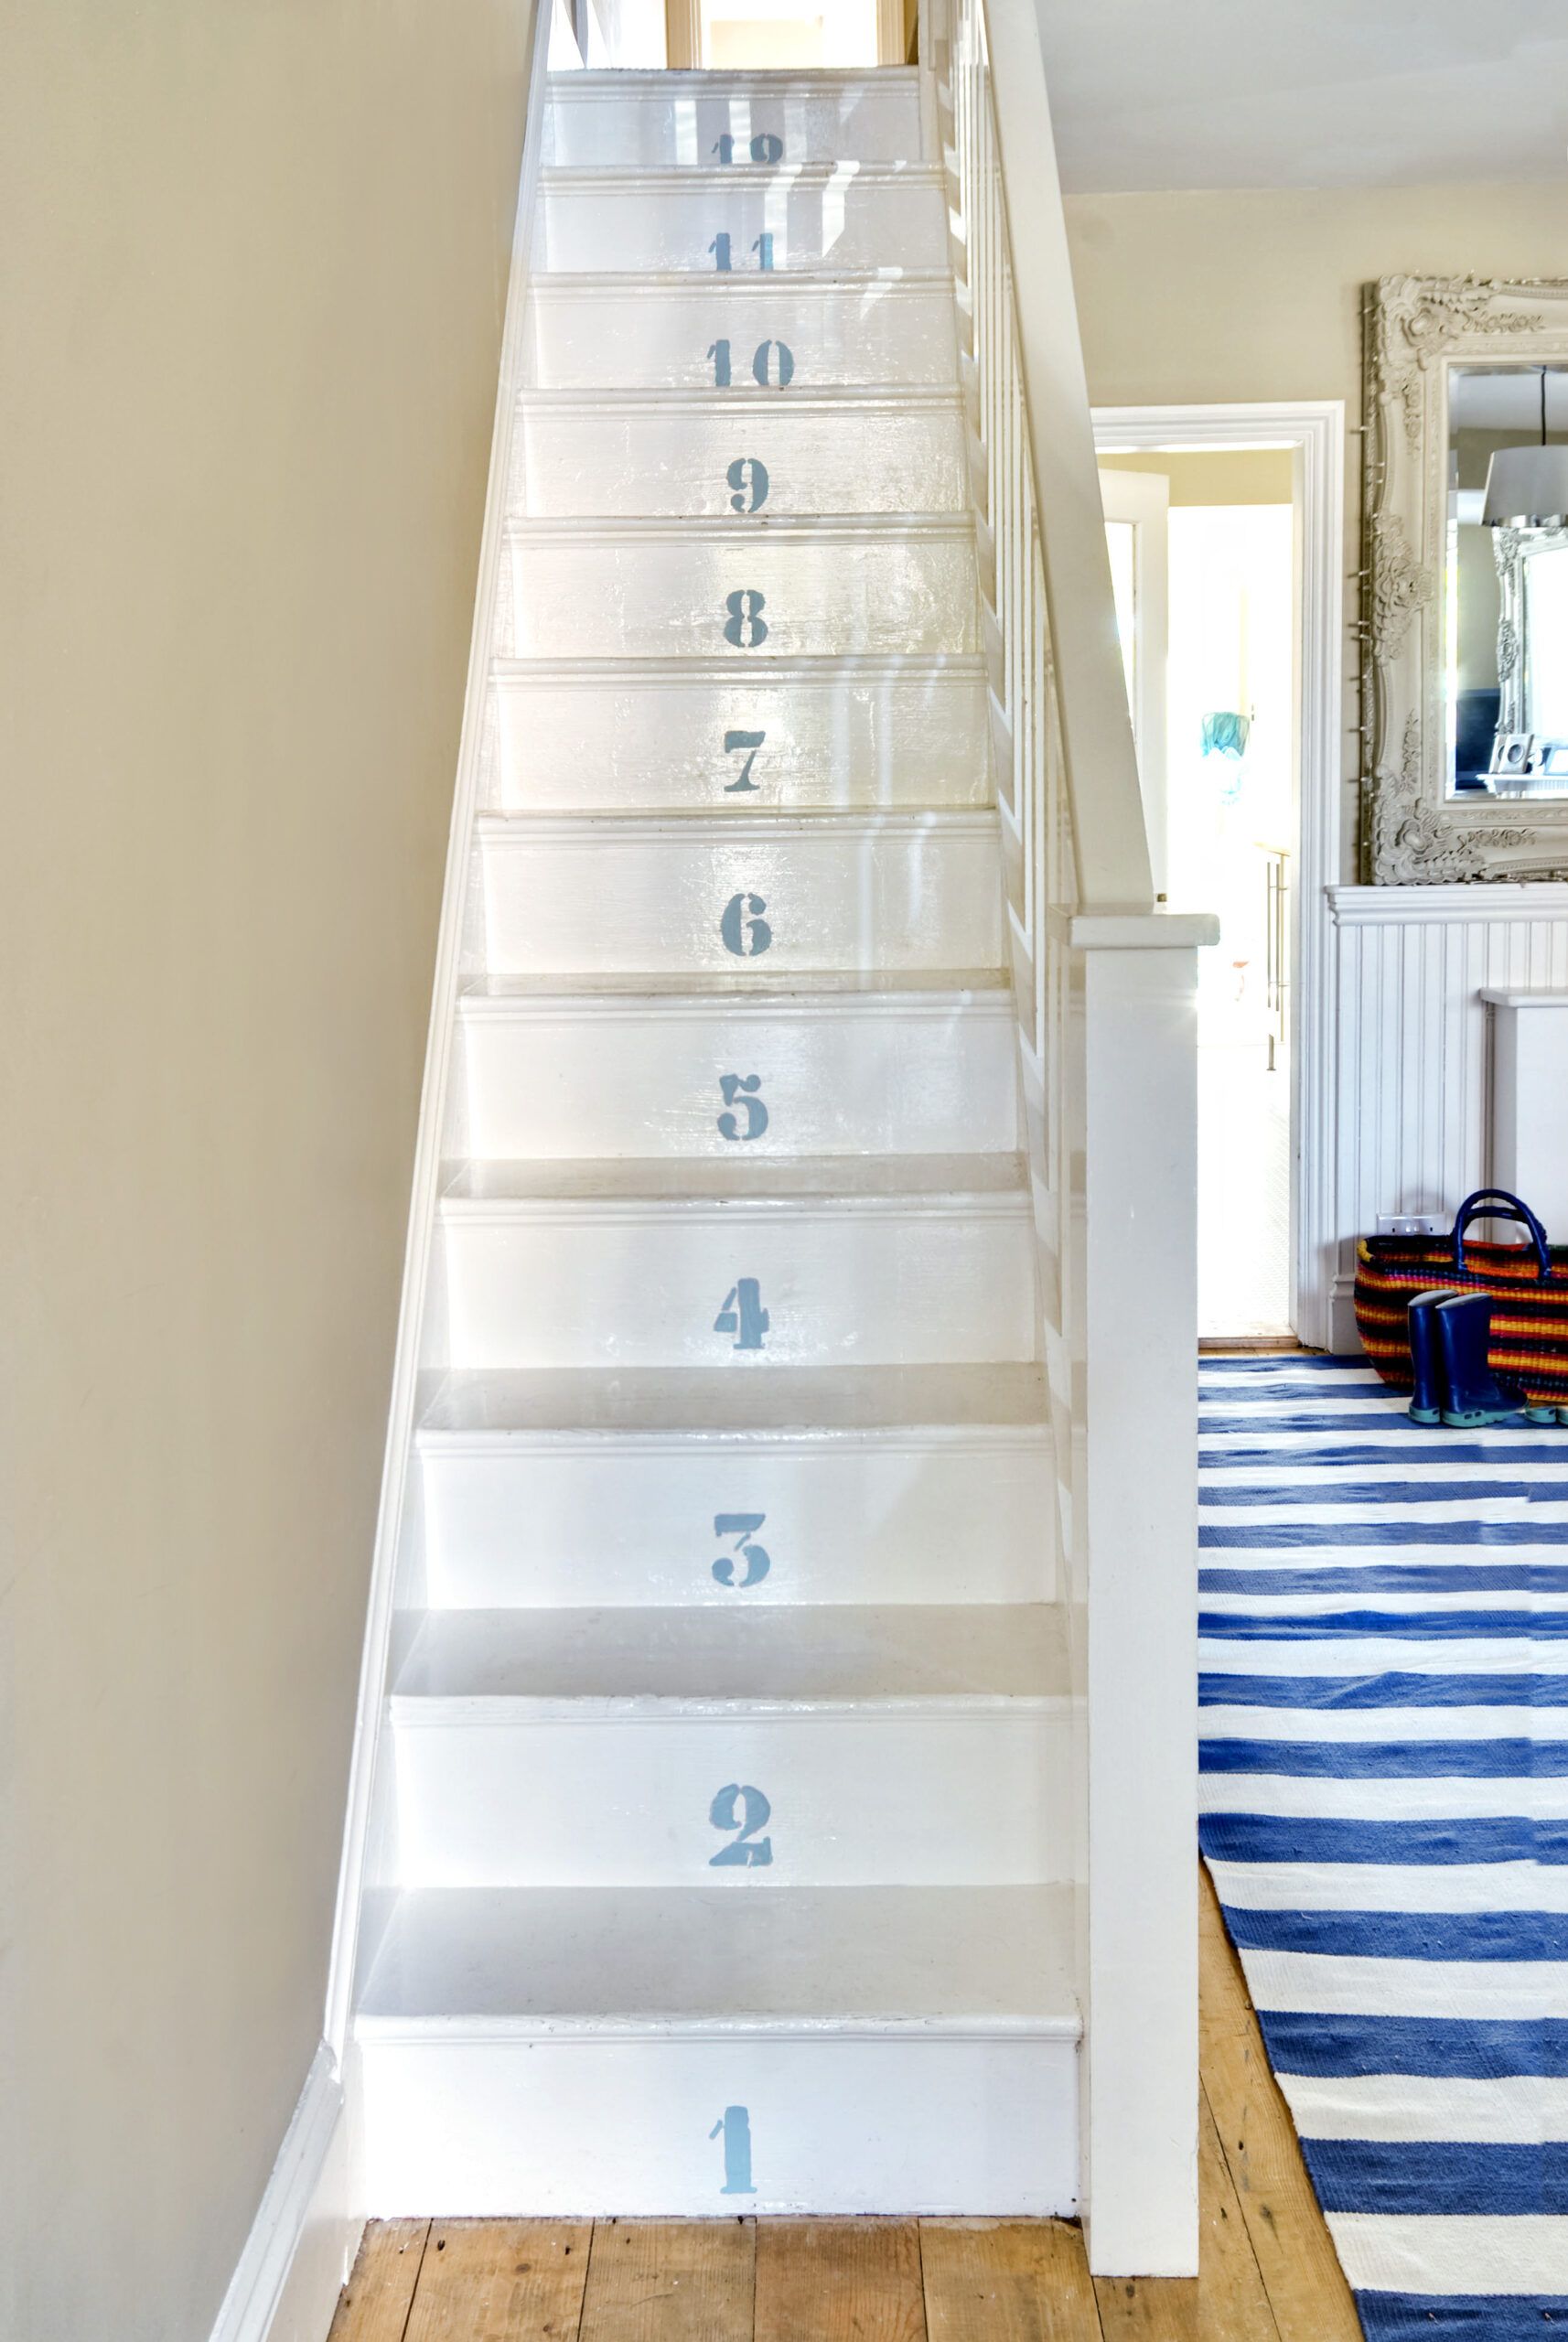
pixel 305 2232
pixel 1413 1090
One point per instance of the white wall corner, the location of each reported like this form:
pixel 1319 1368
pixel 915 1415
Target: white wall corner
pixel 304 2235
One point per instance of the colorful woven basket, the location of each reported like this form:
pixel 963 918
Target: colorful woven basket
pixel 1527 1283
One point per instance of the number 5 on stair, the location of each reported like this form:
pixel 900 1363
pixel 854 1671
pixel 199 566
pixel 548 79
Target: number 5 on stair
pixel 757 1560
pixel 743 1314
pixel 741 1807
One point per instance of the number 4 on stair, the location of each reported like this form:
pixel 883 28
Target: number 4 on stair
pixel 743 1314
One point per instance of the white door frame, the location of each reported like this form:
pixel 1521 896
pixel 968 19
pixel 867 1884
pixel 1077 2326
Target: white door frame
pixel 1314 429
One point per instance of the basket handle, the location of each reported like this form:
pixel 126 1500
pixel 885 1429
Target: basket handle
pixel 1496 1203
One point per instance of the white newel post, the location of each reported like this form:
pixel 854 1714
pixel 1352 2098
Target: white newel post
pixel 1138 1486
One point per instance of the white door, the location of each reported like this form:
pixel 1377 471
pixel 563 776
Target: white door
pixel 1137 519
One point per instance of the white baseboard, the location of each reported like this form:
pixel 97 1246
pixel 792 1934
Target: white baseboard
pixel 304 2235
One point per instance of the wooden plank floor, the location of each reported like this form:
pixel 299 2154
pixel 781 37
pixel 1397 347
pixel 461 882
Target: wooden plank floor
pixel 1268 2272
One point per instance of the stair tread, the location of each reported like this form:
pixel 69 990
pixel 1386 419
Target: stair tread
pixel 911 987
pixel 666 178
pixel 767 79
pixel 736 285
pixel 796 1654
pixel 819 1959
pixel 860 399
pixel 944 1398
pixel 675 1179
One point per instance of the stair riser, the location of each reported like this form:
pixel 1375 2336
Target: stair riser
pixel 646 127
pixel 840 221
pixel 579 900
pixel 650 1083
pixel 769 455
pixel 660 337
pixel 676 596
pixel 623 2127
pixel 645 1284
pixel 657 745
pixel 623 1521
pixel 851 1800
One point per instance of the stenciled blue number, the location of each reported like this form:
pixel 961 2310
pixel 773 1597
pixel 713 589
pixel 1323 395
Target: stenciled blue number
pixel 741 1526
pixel 735 2126
pixel 743 1314
pixel 743 929
pixel 746 627
pixel 740 1089
pixel 741 1807
pixel 751 741
pixel 748 477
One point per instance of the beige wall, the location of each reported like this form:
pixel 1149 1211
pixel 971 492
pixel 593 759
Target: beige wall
pixel 251 272
pixel 1192 298
pixel 1209 477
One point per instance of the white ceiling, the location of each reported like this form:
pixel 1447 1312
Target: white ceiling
pixel 1217 93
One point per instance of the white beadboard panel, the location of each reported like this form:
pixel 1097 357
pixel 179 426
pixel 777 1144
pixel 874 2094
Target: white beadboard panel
pixel 1414 1081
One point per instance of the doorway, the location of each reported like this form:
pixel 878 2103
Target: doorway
pixel 786 35
pixel 1221 530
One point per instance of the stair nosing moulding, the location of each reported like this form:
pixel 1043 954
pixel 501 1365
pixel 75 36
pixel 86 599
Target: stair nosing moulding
pixel 662 673
pixel 872 399
pixel 736 283
pixel 964 1204
pixel 567 1007
pixel 896 528
pixel 569 178
pixel 897 1439
pixel 763 81
pixel 512 1711
pixel 522 828
pixel 376 2031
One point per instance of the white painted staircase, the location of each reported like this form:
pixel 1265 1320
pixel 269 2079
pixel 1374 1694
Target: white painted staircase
pixel 720 1834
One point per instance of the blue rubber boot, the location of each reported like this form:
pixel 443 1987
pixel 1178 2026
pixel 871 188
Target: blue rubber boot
pixel 1427 1396
pixel 1472 1394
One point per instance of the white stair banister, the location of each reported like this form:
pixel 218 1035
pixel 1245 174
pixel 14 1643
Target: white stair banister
pixel 1105 986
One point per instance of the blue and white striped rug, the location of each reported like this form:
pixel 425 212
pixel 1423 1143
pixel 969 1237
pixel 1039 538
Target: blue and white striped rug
pixel 1384 1727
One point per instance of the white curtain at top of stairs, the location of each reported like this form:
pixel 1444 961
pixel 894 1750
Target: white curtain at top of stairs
pixel 723 1841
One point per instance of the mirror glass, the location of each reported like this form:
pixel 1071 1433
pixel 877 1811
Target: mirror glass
pixel 1507 601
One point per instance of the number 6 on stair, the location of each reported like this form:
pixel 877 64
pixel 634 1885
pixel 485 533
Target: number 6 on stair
pixel 743 1314
pixel 740 1807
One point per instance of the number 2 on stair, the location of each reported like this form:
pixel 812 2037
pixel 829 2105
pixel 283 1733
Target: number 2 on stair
pixel 741 1807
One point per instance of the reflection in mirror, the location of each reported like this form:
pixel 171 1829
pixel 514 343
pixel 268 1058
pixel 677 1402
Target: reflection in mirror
pixel 1507 588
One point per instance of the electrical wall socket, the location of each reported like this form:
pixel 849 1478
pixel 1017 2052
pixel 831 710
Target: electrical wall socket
pixel 1411 1223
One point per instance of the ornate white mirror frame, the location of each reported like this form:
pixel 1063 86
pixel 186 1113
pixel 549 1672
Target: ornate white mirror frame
pixel 1416 329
